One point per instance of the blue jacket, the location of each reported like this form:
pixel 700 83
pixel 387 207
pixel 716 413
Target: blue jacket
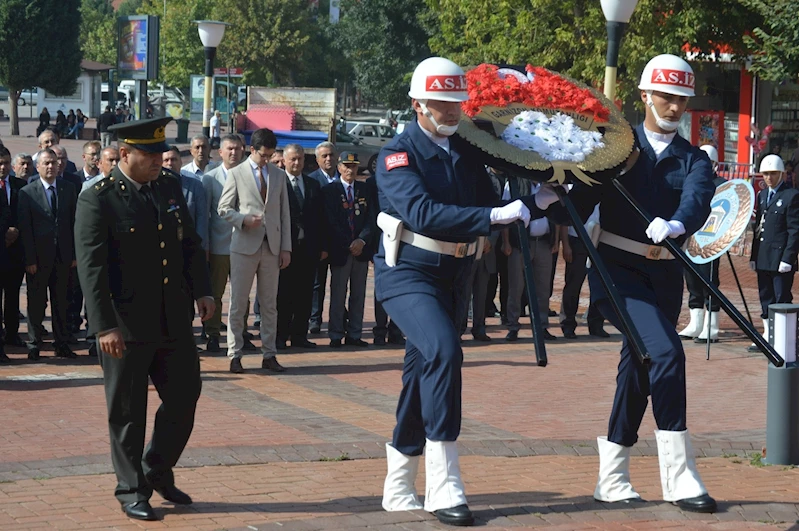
pixel 779 239
pixel 196 200
pixel 446 197
pixel 337 237
pixel 320 177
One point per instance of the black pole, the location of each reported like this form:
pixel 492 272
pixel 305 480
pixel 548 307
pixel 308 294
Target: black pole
pixel 615 33
pixel 532 300
pixel 210 55
pixel 740 289
pixel 628 329
pixel 731 310
pixel 709 312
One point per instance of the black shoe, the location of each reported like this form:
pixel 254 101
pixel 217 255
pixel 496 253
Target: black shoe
pixel 247 335
pixel 355 342
pixel 399 340
pixel 302 343
pixel 33 354
pixel 281 345
pixel 140 510
pixel 257 323
pixel 598 332
pixel 64 351
pixel 481 336
pixel 460 515
pixel 379 341
pixel 15 341
pixel 513 335
pixel 335 343
pixel 546 334
pixel 3 357
pixel 698 340
pixel 174 494
pixel 212 345
pixel 569 334
pixel 503 320
pixel 314 330
pixel 271 364
pixel 552 313
pixel 235 366
pixel 700 504
pixel 249 346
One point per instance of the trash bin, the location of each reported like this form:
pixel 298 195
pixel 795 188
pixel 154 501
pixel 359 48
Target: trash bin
pixel 183 130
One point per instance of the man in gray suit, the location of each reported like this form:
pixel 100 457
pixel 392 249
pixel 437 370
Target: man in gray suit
pixel 220 233
pixel 193 192
pixel 46 215
pixel 255 201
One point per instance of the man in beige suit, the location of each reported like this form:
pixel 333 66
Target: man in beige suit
pixel 255 200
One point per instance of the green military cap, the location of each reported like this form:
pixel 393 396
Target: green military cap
pixel 146 135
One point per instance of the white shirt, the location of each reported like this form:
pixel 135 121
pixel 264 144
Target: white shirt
pixel 192 169
pixel 87 175
pixel 263 171
pixel 328 177
pixel 214 123
pixel 442 142
pixel 659 141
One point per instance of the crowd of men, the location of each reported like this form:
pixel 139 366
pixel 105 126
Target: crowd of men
pixel 316 223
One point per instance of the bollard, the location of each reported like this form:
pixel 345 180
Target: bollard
pixel 782 399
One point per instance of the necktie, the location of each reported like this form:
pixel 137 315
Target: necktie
pixel 770 196
pixel 2 184
pixel 263 184
pixel 352 211
pixel 296 185
pixel 147 193
pixel 53 199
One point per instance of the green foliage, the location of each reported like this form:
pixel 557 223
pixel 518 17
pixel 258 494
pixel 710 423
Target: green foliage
pixel 384 40
pixel 129 8
pixel 569 36
pixel 29 56
pixel 98 31
pixel 775 43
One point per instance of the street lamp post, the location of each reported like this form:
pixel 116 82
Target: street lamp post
pixel 211 33
pixel 617 13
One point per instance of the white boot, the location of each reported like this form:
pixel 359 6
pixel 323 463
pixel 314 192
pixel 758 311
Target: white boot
pixel 444 487
pixel 753 347
pixel 696 325
pixel 614 473
pixel 399 492
pixel 714 329
pixel 678 475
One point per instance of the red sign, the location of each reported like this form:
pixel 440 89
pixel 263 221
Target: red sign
pixel 679 78
pixel 237 72
pixel 396 160
pixel 445 83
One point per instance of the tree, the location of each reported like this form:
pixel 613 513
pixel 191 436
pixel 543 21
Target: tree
pixel 98 31
pixel 267 38
pixel 775 43
pixel 28 59
pixel 384 40
pixel 569 36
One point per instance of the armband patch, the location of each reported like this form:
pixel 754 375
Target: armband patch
pixel 396 160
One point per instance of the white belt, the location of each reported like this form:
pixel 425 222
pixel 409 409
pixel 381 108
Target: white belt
pixel 458 250
pixel 652 252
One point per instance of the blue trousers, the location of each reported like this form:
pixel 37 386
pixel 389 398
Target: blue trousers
pixel 430 401
pixel 774 288
pixel 652 293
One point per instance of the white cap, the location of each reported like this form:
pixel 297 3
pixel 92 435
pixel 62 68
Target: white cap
pixel 712 153
pixel 439 79
pixel 670 74
pixel 771 163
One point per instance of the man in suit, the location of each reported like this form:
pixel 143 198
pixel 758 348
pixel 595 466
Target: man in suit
pixel 350 220
pixel 91 160
pixel 200 157
pixel 46 215
pixel 139 258
pixel 296 281
pixel 220 232
pixel 23 166
pixel 9 286
pixel 776 241
pixel 193 192
pixel 327 173
pixel 48 139
pixel 255 201
pixel 109 158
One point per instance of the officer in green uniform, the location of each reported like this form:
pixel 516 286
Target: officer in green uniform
pixel 139 259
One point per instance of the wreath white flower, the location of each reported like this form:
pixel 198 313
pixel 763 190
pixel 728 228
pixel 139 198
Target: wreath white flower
pixel 556 138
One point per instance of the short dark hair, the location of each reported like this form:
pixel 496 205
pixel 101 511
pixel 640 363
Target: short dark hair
pixel 175 149
pixel 236 139
pixel 4 152
pixel 263 138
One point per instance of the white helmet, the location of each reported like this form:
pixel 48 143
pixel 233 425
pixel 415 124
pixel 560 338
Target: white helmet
pixel 670 74
pixel 439 79
pixel 712 153
pixel 771 163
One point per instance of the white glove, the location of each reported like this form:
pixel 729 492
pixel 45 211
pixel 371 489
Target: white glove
pixel 753 265
pixel 546 195
pixel 510 213
pixel 784 268
pixel 660 229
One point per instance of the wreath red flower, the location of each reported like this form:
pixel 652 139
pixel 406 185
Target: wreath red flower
pixel 547 89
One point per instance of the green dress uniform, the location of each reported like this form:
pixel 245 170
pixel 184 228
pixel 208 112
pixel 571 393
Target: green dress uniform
pixel 139 260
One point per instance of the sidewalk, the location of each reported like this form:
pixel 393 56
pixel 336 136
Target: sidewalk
pixel 305 449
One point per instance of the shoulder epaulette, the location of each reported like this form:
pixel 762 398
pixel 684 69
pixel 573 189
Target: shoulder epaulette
pixel 104 184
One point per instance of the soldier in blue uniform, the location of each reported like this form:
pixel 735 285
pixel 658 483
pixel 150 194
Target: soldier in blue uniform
pixel 776 240
pixel 436 205
pixel 673 181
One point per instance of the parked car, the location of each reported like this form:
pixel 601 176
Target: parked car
pixel 28 96
pixel 367 153
pixel 371 133
pixel 3 93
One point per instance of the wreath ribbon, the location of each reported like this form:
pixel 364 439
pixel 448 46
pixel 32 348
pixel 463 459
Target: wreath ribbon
pixel 559 168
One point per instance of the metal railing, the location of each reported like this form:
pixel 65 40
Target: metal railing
pixel 735 170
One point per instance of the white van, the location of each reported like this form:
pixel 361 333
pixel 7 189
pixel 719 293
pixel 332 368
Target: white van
pixel 125 97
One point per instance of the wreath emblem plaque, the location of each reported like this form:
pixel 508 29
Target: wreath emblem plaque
pixel 730 211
